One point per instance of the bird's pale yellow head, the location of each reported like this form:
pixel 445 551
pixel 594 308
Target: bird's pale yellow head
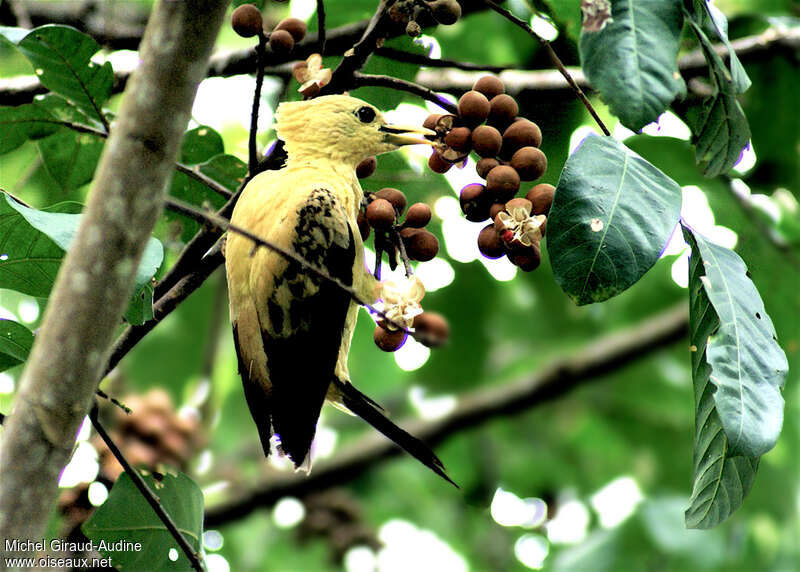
pixel 340 128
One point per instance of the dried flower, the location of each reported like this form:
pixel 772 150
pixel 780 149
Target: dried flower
pixel 401 300
pixel 312 76
pixel 522 226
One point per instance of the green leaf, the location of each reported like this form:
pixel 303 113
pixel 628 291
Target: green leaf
pixel 15 343
pixel 33 243
pixel 748 367
pixel 721 479
pixel 632 61
pixel 13 35
pixel 22 123
pixel 717 22
pixel 61 57
pixel 126 517
pixel 612 214
pixel 200 144
pixel 723 131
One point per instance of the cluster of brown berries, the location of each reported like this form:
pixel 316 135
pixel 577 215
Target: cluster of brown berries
pixel 408 12
pixel 246 21
pixel 487 123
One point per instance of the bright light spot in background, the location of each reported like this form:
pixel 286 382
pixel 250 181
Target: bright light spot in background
pixel 6 383
pixel 747 160
pixel 215 488
pixel 412 355
pixel 82 468
pixel 531 550
pixel 85 430
pixel 544 27
pixel 3 257
pixel 98 493
pixel 431 44
pixel 123 60
pixel 765 204
pixel 360 559
pixel 579 135
pixel 616 501
pixel 28 310
pixel 173 554
pixel 570 523
pixel 217 563
pixel 288 512
pixel 407 547
pixel 698 215
pixel 501 269
pixel 508 509
pixel 435 274
pixel 6 314
pixel 459 177
pixel 668 125
pixel 460 235
pixel 431 407
pixel 324 442
pixel 213 540
pixel 237 94
pixel 302 9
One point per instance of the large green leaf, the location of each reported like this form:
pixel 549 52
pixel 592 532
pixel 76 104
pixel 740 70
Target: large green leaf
pixel 716 22
pixel 748 367
pixel 721 479
pixel 200 144
pixel 23 123
pixel 612 214
pixel 126 517
pixel 15 343
pixel 632 60
pixel 723 131
pixel 33 242
pixel 61 57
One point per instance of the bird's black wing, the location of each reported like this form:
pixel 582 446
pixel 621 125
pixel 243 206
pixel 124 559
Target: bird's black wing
pixel 306 315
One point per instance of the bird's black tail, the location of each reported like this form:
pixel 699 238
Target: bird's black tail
pixel 370 412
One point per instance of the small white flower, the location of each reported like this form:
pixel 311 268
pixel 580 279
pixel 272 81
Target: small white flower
pixel 526 229
pixel 401 300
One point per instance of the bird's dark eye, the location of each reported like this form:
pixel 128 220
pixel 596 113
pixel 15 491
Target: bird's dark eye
pixel 365 114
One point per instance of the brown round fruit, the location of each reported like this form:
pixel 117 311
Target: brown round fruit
pixel 474 202
pixel 486 141
pixel 473 107
pixel 490 86
pixel 489 242
pixel 459 139
pixel 445 11
pixel 431 121
pixel 495 209
pixel 529 259
pixel 437 164
pixel 519 203
pixel 485 165
pixel 281 42
pixel 422 246
pixel 380 214
pixel 388 340
pixel 521 133
pixel 363 226
pixel 530 163
pixel 418 215
pixel 296 27
pixel 366 167
pixel 246 20
pixel 397 198
pixel 541 196
pixel 502 110
pixel 502 183
pixel 434 326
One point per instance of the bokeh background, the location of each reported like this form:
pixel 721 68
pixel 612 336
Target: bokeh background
pixel 596 479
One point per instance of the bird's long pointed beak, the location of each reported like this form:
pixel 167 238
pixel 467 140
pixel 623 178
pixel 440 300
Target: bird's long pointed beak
pixel 406 134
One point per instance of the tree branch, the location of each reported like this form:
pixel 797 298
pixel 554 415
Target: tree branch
pixel 419 59
pixel 607 354
pixel 91 290
pixel 362 80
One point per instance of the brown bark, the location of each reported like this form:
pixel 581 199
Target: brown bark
pixel 96 278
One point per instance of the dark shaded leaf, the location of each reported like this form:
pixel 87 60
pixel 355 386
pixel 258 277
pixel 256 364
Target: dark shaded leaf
pixel 716 22
pixel 15 343
pixel 126 517
pixel 23 123
pixel 61 57
pixel 632 61
pixel 200 144
pixel 612 214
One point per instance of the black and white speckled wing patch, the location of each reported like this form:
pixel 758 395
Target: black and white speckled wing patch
pixel 306 317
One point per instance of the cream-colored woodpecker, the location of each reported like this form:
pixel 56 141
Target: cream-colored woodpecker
pixel 292 329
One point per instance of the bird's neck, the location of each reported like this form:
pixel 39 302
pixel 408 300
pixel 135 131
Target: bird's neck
pixel 339 176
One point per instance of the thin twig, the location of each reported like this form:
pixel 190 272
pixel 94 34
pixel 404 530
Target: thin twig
pixel 554 58
pixel 411 58
pixel 145 491
pixel 401 247
pixel 252 146
pixel 362 80
pixel 321 26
